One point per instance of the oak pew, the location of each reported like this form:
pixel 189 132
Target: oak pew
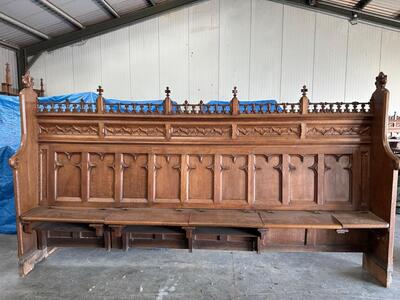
pixel 8 89
pixel 247 176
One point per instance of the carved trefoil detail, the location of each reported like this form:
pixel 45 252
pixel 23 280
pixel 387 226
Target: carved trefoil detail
pixel 46 129
pixel 339 131
pixel 201 131
pixel 134 130
pixel 267 130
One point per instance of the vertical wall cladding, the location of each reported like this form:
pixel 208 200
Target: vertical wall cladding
pixel 363 61
pixel 87 64
pixel 8 56
pixel 235 21
pixel 145 60
pixel 331 36
pixel 267 49
pixel 115 64
pixel 204 51
pixel 390 64
pixel 59 72
pixel 174 53
pixel 297 52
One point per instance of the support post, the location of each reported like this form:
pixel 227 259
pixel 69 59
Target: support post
pixel 100 101
pixel 304 101
pixel 235 110
pixel 21 66
pixel 25 167
pixel 167 102
pixel 378 257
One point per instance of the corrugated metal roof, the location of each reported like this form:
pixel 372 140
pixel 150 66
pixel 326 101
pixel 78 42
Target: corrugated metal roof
pixel 127 6
pixel 389 8
pixel 347 3
pixel 41 18
pixel 89 12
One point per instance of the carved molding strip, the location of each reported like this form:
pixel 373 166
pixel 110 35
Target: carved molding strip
pixel 46 129
pixel 134 130
pixel 339 131
pixel 267 130
pixel 201 131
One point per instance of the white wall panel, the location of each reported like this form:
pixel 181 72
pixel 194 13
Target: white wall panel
pixel 266 50
pixel 390 64
pixel 145 62
pixel 87 65
pixel 115 64
pixel 59 72
pixel 330 59
pixel 174 54
pixel 363 61
pixel 235 36
pixel 298 52
pixel 203 51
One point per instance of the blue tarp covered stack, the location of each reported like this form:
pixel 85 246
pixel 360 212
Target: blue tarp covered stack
pixel 10 136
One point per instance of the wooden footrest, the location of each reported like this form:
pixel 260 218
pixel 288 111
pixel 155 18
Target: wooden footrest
pixel 153 237
pixel 209 218
pixel 68 235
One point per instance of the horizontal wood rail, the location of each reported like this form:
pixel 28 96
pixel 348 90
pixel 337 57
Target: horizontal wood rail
pixel 168 107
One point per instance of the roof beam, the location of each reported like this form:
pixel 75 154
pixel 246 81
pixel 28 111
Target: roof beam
pixel 58 11
pixel 108 8
pixel 328 7
pixel 104 27
pixel 361 4
pixel 8 45
pixel 23 26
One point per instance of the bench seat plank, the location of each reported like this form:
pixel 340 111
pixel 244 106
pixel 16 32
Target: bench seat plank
pixel 149 217
pixel 226 218
pixel 299 219
pixel 360 220
pixel 65 215
pixel 208 218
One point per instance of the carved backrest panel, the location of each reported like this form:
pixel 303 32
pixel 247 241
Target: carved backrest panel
pixel 236 155
pixel 204 176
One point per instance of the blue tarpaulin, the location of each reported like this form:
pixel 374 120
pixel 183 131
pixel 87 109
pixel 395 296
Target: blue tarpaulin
pixel 10 136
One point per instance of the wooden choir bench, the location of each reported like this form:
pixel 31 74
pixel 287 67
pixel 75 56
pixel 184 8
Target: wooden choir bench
pixel 247 176
pixel 8 89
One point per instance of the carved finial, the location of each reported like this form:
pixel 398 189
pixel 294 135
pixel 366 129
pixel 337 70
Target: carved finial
pixel 304 91
pixel 27 80
pixel 41 92
pixel 234 92
pixel 381 81
pixel 8 74
pixel 100 90
pixel 167 91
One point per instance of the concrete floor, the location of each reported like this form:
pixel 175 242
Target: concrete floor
pixel 177 274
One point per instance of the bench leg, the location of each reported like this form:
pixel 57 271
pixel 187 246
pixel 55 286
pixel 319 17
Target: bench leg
pixel 261 239
pixel 125 241
pixel 378 257
pixel 189 237
pixel 28 262
pixel 107 240
pixel 377 270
